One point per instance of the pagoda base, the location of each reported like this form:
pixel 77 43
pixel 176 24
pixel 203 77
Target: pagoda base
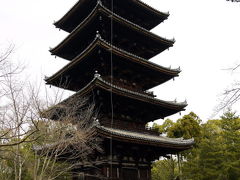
pixel 127 155
pixel 115 171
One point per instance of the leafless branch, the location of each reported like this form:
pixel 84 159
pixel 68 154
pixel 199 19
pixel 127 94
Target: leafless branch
pixel 61 132
pixel 233 0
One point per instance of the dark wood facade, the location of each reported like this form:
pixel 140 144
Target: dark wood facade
pixel 109 47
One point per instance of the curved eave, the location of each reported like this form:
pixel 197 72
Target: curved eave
pixel 99 82
pixel 135 26
pixel 101 8
pixel 140 138
pixel 169 107
pixel 152 9
pixel 67 15
pixel 117 51
pixel 60 23
pixel 138 96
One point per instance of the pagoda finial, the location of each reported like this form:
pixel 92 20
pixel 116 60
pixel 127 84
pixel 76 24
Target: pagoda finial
pixel 97 75
pixel 100 2
pixel 98 34
pixel 45 77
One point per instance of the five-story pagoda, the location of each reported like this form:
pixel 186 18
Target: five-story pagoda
pixel 109 46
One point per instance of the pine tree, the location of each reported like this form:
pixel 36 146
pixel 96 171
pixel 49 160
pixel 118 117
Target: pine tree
pixel 230 125
pixel 217 155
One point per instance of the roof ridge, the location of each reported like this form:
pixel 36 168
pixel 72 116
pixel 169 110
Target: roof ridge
pixel 106 9
pixel 100 2
pixel 154 9
pixel 136 25
pixel 95 41
pixel 133 134
pixel 141 94
pixel 98 78
pixel 131 54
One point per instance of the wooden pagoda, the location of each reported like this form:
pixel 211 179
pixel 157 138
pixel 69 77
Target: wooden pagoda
pixel 109 46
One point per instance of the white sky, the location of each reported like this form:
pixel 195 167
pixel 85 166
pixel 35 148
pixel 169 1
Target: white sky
pixel 207 34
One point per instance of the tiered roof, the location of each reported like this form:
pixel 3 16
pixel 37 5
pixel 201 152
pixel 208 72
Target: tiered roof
pixel 172 144
pixel 146 44
pixel 140 138
pixel 101 50
pixel 152 108
pixel 116 42
pixel 137 12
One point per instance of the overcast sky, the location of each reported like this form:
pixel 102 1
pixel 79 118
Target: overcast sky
pixel 207 34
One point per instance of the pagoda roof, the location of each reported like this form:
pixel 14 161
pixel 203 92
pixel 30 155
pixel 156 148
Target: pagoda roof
pixel 161 74
pixel 175 144
pixel 135 39
pixel 137 12
pixel 148 139
pixel 157 108
pixel 98 81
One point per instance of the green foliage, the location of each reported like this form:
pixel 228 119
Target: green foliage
pixel 203 160
pixel 164 127
pixel 187 127
pixel 230 124
pixel 217 155
pixel 165 170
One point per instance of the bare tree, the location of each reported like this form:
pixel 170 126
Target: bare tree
pixel 231 95
pixel 73 127
pixel 233 0
pixel 15 108
pixel 60 134
pixel 14 105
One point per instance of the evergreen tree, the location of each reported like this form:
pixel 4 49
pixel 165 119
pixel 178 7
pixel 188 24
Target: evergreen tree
pixel 218 152
pixel 164 128
pixel 187 127
pixel 204 160
pixel 230 125
pixel 165 169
